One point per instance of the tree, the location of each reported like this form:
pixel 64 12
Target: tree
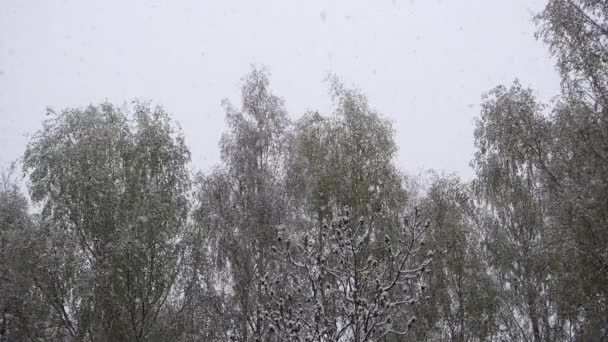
pixel 576 173
pixel 463 294
pixel 114 196
pixel 513 138
pixel 244 201
pixel 576 33
pixel 22 318
pixel 357 288
pixel 345 159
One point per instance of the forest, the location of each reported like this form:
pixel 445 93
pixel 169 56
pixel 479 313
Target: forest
pixel 307 231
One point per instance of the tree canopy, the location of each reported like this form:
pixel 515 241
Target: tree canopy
pixel 306 230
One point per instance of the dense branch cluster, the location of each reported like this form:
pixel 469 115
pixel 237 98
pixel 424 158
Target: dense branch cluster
pixel 354 287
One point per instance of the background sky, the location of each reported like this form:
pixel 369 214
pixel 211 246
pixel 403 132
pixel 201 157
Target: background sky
pixel 422 63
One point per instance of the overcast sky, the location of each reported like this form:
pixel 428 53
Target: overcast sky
pixel 422 63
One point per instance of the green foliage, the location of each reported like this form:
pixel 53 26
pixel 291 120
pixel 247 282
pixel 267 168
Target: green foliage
pixel 576 33
pixel 345 159
pixel 22 314
pixel 463 295
pixel 270 251
pixel 242 204
pixel 114 197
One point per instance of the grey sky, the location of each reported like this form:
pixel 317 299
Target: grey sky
pixel 423 64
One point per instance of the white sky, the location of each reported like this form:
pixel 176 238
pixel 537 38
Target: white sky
pixel 422 63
